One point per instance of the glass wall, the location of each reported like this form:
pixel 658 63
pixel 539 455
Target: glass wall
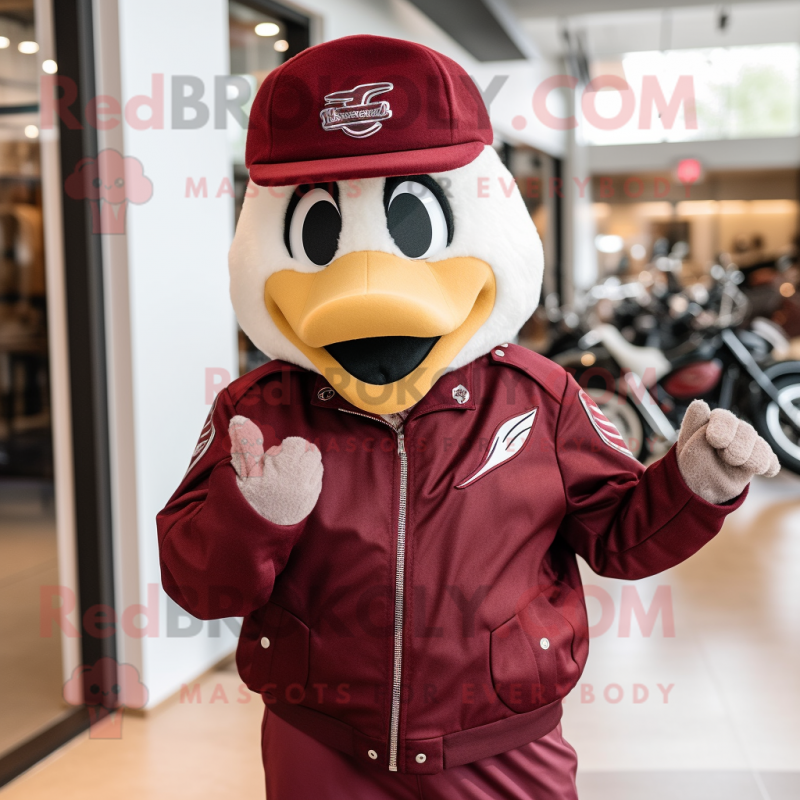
pixel 718 93
pixel 30 664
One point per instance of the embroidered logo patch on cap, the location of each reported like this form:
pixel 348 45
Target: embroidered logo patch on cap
pixel 353 111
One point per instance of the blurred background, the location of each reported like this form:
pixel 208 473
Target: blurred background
pixel 657 149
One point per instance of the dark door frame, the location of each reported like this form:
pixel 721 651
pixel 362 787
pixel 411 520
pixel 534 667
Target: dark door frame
pixel 83 265
pixel 558 229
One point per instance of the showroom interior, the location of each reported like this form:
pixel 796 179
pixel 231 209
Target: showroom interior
pixel 657 150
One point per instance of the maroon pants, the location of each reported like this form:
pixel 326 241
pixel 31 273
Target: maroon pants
pixel 300 768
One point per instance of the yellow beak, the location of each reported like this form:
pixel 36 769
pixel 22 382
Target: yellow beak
pixel 368 294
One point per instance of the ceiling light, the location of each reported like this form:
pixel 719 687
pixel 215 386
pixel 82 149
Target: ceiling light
pixel 689 170
pixel 50 66
pixel 4 42
pixel 281 45
pixel 31 131
pixel 608 244
pixel 267 29
pixel 29 48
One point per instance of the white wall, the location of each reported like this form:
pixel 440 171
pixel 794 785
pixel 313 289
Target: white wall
pixel 169 315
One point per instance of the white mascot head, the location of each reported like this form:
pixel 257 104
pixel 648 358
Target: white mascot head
pixel 382 242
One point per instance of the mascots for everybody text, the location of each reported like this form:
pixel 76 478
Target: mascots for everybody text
pixel 394 503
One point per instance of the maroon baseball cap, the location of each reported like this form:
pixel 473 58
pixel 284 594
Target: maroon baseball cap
pixel 364 107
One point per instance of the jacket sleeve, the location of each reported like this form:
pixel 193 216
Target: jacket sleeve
pixel 626 521
pixel 219 557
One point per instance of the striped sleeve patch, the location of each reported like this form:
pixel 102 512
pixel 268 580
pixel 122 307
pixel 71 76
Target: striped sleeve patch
pixel 206 437
pixel 603 425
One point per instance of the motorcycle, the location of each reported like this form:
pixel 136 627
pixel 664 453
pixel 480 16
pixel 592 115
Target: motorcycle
pixel 710 355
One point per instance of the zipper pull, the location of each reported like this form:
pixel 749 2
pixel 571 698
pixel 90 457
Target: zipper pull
pixel 401 444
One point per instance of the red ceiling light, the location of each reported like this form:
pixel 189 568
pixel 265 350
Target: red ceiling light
pixel 689 170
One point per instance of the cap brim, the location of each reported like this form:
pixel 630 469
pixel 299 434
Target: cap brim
pixel 378 165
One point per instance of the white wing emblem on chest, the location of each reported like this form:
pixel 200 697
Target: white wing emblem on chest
pixel 508 441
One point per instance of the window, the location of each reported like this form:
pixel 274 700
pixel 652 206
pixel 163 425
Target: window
pixel 717 93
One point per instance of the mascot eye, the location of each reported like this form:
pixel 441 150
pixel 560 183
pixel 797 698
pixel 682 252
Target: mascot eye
pixel 418 215
pixel 313 224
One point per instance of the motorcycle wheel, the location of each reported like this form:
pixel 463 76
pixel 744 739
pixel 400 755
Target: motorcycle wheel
pixel 772 425
pixel 621 412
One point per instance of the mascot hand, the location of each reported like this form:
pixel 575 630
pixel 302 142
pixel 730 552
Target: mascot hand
pixel 718 454
pixel 282 484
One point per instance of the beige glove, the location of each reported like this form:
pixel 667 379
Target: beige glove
pixel 718 454
pixel 282 484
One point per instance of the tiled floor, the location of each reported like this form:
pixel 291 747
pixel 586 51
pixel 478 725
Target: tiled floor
pixel 30 665
pixel 206 750
pixel 730 729
pixel 689 785
pixel 734 661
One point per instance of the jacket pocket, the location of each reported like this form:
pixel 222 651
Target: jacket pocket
pixel 273 652
pixel 531 656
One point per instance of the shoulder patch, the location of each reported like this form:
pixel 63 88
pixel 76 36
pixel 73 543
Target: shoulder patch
pixel 549 375
pixel 238 388
pixel 606 429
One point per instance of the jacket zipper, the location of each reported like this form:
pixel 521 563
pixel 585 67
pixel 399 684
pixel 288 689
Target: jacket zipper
pixel 394 726
pixel 399 590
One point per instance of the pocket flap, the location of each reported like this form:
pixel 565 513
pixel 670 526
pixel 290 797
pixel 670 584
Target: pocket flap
pixel 531 657
pixel 273 650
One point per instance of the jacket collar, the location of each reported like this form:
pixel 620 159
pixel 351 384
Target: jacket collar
pixel 454 391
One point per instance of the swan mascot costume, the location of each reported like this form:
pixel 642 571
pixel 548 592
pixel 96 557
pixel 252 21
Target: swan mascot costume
pixel 395 501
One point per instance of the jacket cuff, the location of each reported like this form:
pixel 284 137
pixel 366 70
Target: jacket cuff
pixel 690 523
pixel 222 557
pixel 701 506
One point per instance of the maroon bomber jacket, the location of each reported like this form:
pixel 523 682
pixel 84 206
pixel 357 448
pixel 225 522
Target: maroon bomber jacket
pixel 429 611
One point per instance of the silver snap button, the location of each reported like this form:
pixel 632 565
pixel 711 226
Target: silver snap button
pixel 499 353
pixel 372 754
pixel 264 642
pixel 544 643
pixel 421 758
pixel 325 394
pixel 504 344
